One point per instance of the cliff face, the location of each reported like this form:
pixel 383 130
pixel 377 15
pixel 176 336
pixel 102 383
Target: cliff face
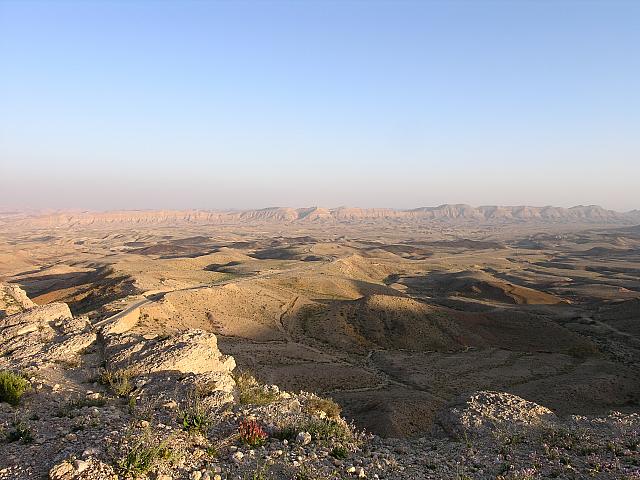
pixel 442 213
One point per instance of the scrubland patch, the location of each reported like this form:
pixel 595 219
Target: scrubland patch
pixel 12 387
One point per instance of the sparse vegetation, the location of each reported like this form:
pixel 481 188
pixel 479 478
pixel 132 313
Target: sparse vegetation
pixel 328 429
pixel 287 432
pixel 195 417
pixel 583 351
pixel 559 437
pixel 251 433
pixel 118 381
pixel 326 405
pixel 144 454
pixel 132 403
pixel 70 408
pixel 12 387
pixel 69 363
pixel 260 473
pixel 251 391
pixel 20 431
pixel 304 474
pixel 507 439
pixel 340 452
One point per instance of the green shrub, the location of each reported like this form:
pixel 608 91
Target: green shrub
pixel 260 473
pixel 119 381
pixel 328 429
pixel 288 432
pixel 322 429
pixel 12 387
pixel 252 392
pixel 195 417
pixel 326 405
pixel 339 452
pixel 20 431
pixel 561 437
pixel 144 454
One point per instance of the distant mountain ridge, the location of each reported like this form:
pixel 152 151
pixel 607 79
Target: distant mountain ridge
pixel 442 213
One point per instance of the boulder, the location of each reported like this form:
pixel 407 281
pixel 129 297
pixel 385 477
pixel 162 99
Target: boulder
pixel 485 411
pixel 192 351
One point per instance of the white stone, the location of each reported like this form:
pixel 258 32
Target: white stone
pixel 303 438
pixel 237 457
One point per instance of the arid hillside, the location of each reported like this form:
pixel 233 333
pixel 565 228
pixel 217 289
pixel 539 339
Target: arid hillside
pixel 394 321
pixel 390 319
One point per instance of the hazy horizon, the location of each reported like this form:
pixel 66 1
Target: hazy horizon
pixel 46 210
pixel 178 105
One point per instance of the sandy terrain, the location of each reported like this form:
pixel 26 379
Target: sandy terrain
pixel 391 314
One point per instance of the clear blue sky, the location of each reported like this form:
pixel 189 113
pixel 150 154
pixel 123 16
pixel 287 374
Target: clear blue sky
pixel 246 104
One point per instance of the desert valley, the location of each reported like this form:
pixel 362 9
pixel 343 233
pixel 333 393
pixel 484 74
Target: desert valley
pixel 400 317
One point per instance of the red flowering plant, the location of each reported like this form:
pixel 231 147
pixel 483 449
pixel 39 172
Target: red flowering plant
pixel 251 433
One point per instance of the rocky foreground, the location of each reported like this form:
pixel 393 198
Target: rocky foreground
pixel 95 401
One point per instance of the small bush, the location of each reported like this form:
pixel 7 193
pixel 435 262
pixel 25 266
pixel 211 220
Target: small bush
pixel 212 452
pixel 119 381
pixel 260 473
pixel 326 405
pixel 328 429
pixel 339 452
pixel 251 433
pixel 20 431
pixel 68 363
pixel 507 439
pixel 251 391
pixel 304 474
pixel 143 455
pixel 12 387
pixel 561 437
pixel 132 403
pixel 321 429
pixel 195 417
pixel 288 432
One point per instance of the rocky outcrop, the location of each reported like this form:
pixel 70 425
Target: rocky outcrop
pixel 120 323
pixel 485 411
pixel 43 334
pixel 192 351
pixel 13 300
pixel 37 318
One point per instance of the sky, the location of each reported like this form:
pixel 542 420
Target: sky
pixel 217 105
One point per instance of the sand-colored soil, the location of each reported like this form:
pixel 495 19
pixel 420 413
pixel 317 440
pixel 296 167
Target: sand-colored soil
pixel 391 318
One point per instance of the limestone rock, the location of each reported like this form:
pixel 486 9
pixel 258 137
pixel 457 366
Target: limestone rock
pixel 192 351
pixel 69 347
pixel 62 471
pixel 120 323
pixel 13 300
pixel 28 335
pixel 303 438
pixel 37 318
pixel 486 410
